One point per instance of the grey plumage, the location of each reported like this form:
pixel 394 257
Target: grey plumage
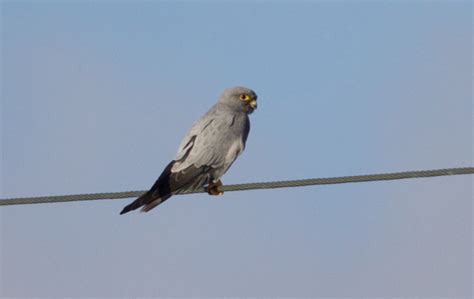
pixel 207 150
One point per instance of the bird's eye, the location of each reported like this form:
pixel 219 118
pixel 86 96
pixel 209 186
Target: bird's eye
pixel 244 97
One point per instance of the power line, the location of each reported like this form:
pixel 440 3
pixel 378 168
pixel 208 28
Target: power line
pixel 250 186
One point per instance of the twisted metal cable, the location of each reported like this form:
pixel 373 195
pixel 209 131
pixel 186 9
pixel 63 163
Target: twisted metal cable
pixel 250 186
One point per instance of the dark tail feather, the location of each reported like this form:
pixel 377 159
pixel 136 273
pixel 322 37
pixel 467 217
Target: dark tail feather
pixel 142 200
pixel 150 205
pixel 159 192
pixel 168 184
pixel 146 201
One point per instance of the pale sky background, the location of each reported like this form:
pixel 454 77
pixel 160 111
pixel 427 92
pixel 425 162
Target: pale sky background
pixel 96 96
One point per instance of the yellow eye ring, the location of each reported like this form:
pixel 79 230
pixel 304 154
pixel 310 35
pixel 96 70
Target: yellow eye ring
pixel 244 97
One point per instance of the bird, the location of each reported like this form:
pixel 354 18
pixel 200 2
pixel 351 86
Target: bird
pixel 206 152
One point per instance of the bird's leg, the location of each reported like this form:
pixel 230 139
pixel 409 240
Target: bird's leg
pixel 213 188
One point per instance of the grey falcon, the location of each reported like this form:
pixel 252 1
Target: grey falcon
pixel 206 152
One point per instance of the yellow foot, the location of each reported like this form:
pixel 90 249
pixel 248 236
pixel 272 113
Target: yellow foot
pixel 213 188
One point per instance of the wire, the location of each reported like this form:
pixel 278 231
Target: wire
pixel 250 186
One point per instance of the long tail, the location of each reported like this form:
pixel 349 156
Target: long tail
pixel 159 192
pixel 147 201
pixel 136 203
pixel 169 183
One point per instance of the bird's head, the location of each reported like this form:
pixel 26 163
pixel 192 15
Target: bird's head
pixel 241 99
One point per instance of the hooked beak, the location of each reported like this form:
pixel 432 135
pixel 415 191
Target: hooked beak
pixel 252 105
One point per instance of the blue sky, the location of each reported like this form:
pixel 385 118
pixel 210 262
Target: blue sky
pixel 96 97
